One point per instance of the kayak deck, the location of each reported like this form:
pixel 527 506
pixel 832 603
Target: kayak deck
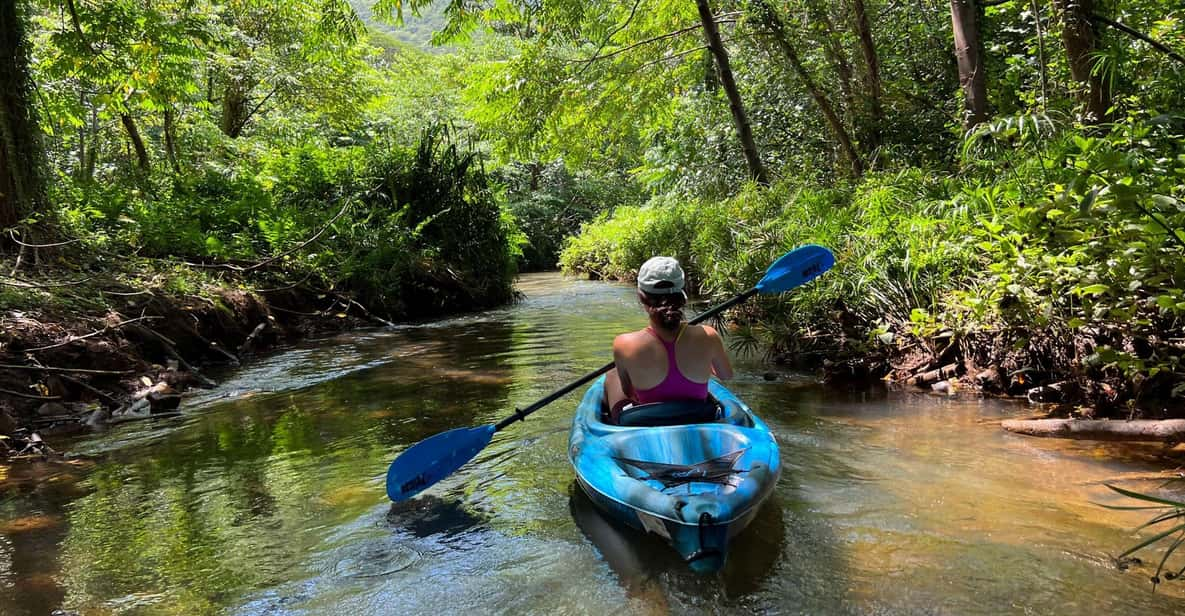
pixel 696 485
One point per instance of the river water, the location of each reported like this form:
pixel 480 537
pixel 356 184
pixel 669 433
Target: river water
pixel 266 497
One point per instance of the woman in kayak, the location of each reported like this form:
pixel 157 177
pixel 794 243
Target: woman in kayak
pixel 668 360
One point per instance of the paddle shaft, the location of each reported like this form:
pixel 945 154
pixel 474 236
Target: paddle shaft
pixel 521 414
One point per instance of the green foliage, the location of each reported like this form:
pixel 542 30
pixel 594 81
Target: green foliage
pixel 891 234
pixel 1068 232
pixel 422 229
pixel 1168 524
pixel 1095 248
pixel 550 203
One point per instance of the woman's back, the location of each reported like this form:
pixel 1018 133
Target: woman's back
pixel 669 360
pixel 655 376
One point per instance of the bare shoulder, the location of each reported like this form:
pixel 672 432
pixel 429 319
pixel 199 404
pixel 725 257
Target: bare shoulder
pixel 707 331
pixel 627 341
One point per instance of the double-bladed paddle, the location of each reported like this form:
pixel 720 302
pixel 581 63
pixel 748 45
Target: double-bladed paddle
pixel 437 457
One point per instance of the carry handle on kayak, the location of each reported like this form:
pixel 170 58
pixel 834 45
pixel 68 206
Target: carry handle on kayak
pixel 432 459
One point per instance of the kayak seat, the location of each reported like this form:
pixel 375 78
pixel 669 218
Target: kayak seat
pixel 672 413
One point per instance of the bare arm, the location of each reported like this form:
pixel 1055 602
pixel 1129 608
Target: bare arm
pixel 619 354
pixel 721 365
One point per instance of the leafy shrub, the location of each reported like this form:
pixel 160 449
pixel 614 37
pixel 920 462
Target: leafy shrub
pixel 550 204
pixel 1064 234
pixel 422 230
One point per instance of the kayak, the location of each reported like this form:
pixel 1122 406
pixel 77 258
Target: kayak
pixel 694 473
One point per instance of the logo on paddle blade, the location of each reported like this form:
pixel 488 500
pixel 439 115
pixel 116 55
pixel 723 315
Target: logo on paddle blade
pixel 415 482
pixel 811 270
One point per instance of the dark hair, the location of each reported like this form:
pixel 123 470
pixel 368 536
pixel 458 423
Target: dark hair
pixel 667 308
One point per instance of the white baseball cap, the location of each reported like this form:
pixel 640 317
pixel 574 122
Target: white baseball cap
pixel 661 276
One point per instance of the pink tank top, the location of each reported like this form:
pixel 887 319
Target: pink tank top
pixel 675 386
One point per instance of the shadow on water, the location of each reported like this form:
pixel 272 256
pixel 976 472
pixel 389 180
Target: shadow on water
pixel 428 515
pixel 778 543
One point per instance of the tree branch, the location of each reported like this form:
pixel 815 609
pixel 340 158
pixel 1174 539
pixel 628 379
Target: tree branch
pixel 670 57
pixel 654 39
pixel 94 333
pixel 609 37
pixel 1138 35
pixel 53 369
pixel 254 110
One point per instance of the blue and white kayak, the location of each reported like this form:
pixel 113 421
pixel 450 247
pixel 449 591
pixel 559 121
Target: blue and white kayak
pixel 693 473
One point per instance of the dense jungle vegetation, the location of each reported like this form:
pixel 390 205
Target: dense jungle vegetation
pixel 1002 180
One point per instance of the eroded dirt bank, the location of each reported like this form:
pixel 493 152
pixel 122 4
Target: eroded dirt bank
pixel 69 366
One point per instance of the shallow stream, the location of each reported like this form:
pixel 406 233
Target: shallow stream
pixel 266 496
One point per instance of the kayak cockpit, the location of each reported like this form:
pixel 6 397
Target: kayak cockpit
pixel 678 413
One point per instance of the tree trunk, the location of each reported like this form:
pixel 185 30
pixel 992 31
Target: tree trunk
pixel 22 188
pixel 1080 41
pixel 1150 430
pixel 92 151
pixel 129 124
pixel 1041 62
pixel 965 18
pixel 774 24
pixel 234 109
pixel 170 130
pixel 872 65
pixel 839 61
pixel 712 36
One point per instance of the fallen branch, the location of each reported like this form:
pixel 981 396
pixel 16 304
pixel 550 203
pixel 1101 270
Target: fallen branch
pixel 351 302
pixel 1146 430
pixel 287 287
pixel 214 346
pixel 171 350
pixel 71 370
pixel 73 339
pixel 128 294
pixel 12 234
pixel 249 343
pixel 24 284
pixel 297 312
pixel 28 396
pixel 94 390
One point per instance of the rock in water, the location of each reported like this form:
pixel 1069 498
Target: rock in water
pixel 51 408
pixel 164 401
pixel 7 423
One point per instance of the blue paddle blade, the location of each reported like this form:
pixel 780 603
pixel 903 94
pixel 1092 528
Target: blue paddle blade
pixel 433 459
pixel 797 267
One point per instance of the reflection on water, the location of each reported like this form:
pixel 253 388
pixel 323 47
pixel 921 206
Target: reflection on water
pixel 267 496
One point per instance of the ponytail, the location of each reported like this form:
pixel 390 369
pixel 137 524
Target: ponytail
pixel 666 309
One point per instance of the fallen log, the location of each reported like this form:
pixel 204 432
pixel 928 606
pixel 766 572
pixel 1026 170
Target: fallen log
pixel 933 376
pixel 1147 430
